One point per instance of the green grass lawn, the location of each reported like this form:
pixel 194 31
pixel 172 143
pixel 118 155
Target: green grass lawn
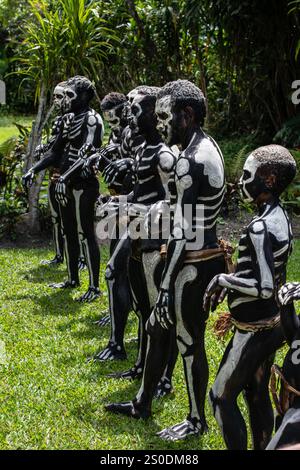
pixel 7 127
pixel 50 396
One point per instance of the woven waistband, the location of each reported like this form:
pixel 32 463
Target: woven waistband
pixel 260 325
pixel 198 255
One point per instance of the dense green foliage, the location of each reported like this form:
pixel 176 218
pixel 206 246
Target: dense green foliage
pixel 243 54
pixel 50 396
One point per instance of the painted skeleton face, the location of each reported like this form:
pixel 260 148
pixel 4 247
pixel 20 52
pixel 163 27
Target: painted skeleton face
pixel 112 116
pixel 70 97
pixel 250 184
pixel 131 95
pixel 135 112
pixel 126 111
pixel 58 96
pixel 163 110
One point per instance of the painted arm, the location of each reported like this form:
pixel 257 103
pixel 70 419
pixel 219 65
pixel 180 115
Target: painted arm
pixel 289 292
pixel 115 173
pixel 187 183
pixel 166 164
pixel 92 137
pixel 262 284
pixel 51 158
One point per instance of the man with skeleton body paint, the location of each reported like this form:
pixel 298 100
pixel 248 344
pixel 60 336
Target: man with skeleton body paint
pixel 123 143
pixel 120 177
pixel 132 143
pixel 264 249
pixel 193 257
pixel 154 165
pixel 120 174
pixel 27 180
pixel 114 108
pixel 81 126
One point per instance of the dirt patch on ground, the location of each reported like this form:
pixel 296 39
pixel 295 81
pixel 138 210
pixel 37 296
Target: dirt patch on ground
pixel 231 228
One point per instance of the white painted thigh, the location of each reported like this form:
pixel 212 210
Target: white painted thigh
pixel 185 276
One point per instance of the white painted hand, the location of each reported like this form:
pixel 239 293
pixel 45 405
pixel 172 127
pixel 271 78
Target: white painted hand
pixel 289 292
pixel 162 310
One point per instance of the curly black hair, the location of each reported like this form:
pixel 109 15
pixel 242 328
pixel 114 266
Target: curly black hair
pixel 112 100
pixel 184 93
pixel 82 84
pixel 276 160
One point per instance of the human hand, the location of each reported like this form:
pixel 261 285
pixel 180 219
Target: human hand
pixel 61 192
pixel 289 292
pixel 162 310
pixel 27 179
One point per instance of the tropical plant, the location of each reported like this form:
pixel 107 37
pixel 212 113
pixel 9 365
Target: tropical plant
pixel 60 38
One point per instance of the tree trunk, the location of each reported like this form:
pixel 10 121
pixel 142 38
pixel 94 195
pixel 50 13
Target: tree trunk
pixel 199 62
pixel 149 44
pixel 34 140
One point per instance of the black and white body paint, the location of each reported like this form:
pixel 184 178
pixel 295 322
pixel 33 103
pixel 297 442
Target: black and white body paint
pixel 153 165
pixel 116 160
pixel 263 253
pixel 197 180
pixel 260 265
pixel 81 127
pixel 191 186
pixel 118 172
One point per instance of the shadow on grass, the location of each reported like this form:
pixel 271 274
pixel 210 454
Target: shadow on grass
pixel 56 302
pixel 45 274
pixel 92 330
pixel 143 430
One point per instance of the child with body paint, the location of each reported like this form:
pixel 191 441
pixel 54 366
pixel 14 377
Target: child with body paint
pixel 263 252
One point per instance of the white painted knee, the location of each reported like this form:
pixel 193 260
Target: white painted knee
pixel 109 273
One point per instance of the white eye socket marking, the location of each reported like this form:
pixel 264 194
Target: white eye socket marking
pixel 136 108
pixel 163 111
pixel 58 95
pixel 131 95
pixel 249 171
pixel 250 168
pixel 111 117
pixel 70 93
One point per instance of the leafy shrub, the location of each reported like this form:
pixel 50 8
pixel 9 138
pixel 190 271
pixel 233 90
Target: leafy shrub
pixel 289 135
pixel 11 208
pixel 291 196
pixel 235 151
pixel 12 197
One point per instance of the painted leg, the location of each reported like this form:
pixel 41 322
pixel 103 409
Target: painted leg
pixel 71 244
pixel 225 390
pixel 257 394
pixel 105 320
pixel 119 300
pixel 153 265
pixel 57 229
pixel 141 306
pixel 164 386
pixel 85 206
pixel 156 358
pixel 191 347
pixel 242 359
pixel 260 407
pixel 190 287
